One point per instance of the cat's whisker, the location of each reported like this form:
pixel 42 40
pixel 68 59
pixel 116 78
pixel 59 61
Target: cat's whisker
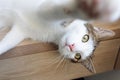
pixel 55 60
pixel 58 59
pixel 50 61
pixel 66 66
pixel 59 63
pixel 63 63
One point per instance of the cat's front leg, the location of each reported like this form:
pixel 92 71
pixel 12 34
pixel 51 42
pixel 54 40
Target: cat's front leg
pixel 13 37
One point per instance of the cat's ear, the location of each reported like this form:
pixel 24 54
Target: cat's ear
pixel 88 64
pixel 103 34
pixel 100 33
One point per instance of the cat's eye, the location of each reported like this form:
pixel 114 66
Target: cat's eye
pixel 77 56
pixel 85 38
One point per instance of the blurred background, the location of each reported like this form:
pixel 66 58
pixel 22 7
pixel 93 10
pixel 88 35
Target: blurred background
pixel 102 10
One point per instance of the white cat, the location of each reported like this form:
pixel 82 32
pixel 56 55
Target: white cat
pixel 49 21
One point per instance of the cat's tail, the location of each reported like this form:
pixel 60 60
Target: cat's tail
pixel 6 19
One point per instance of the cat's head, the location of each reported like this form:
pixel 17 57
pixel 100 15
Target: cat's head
pixel 81 40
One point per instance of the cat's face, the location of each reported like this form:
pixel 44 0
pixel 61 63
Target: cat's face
pixel 81 40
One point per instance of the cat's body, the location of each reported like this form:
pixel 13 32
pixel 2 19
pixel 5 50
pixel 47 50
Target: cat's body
pixel 43 20
pixel 36 15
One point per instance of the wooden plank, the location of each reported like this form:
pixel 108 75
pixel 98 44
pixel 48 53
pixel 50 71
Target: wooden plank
pixel 43 66
pixel 113 26
pixel 28 49
pixel 117 63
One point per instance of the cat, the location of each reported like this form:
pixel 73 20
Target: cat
pixel 53 21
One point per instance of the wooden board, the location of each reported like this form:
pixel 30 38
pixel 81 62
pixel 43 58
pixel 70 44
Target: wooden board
pixel 117 63
pixel 28 49
pixel 43 66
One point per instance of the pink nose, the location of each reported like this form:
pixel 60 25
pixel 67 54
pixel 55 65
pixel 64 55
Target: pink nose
pixel 71 46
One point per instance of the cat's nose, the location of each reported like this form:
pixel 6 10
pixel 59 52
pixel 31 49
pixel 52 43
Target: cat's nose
pixel 71 46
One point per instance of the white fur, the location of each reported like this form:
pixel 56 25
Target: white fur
pixel 41 20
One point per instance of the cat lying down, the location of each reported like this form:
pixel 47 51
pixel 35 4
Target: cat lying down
pixel 39 20
pixel 79 37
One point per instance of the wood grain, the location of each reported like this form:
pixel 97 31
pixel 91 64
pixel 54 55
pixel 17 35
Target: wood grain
pixel 43 66
pixel 28 49
pixel 117 63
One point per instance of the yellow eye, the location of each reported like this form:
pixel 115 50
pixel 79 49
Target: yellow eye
pixel 85 38
pixel 77 56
